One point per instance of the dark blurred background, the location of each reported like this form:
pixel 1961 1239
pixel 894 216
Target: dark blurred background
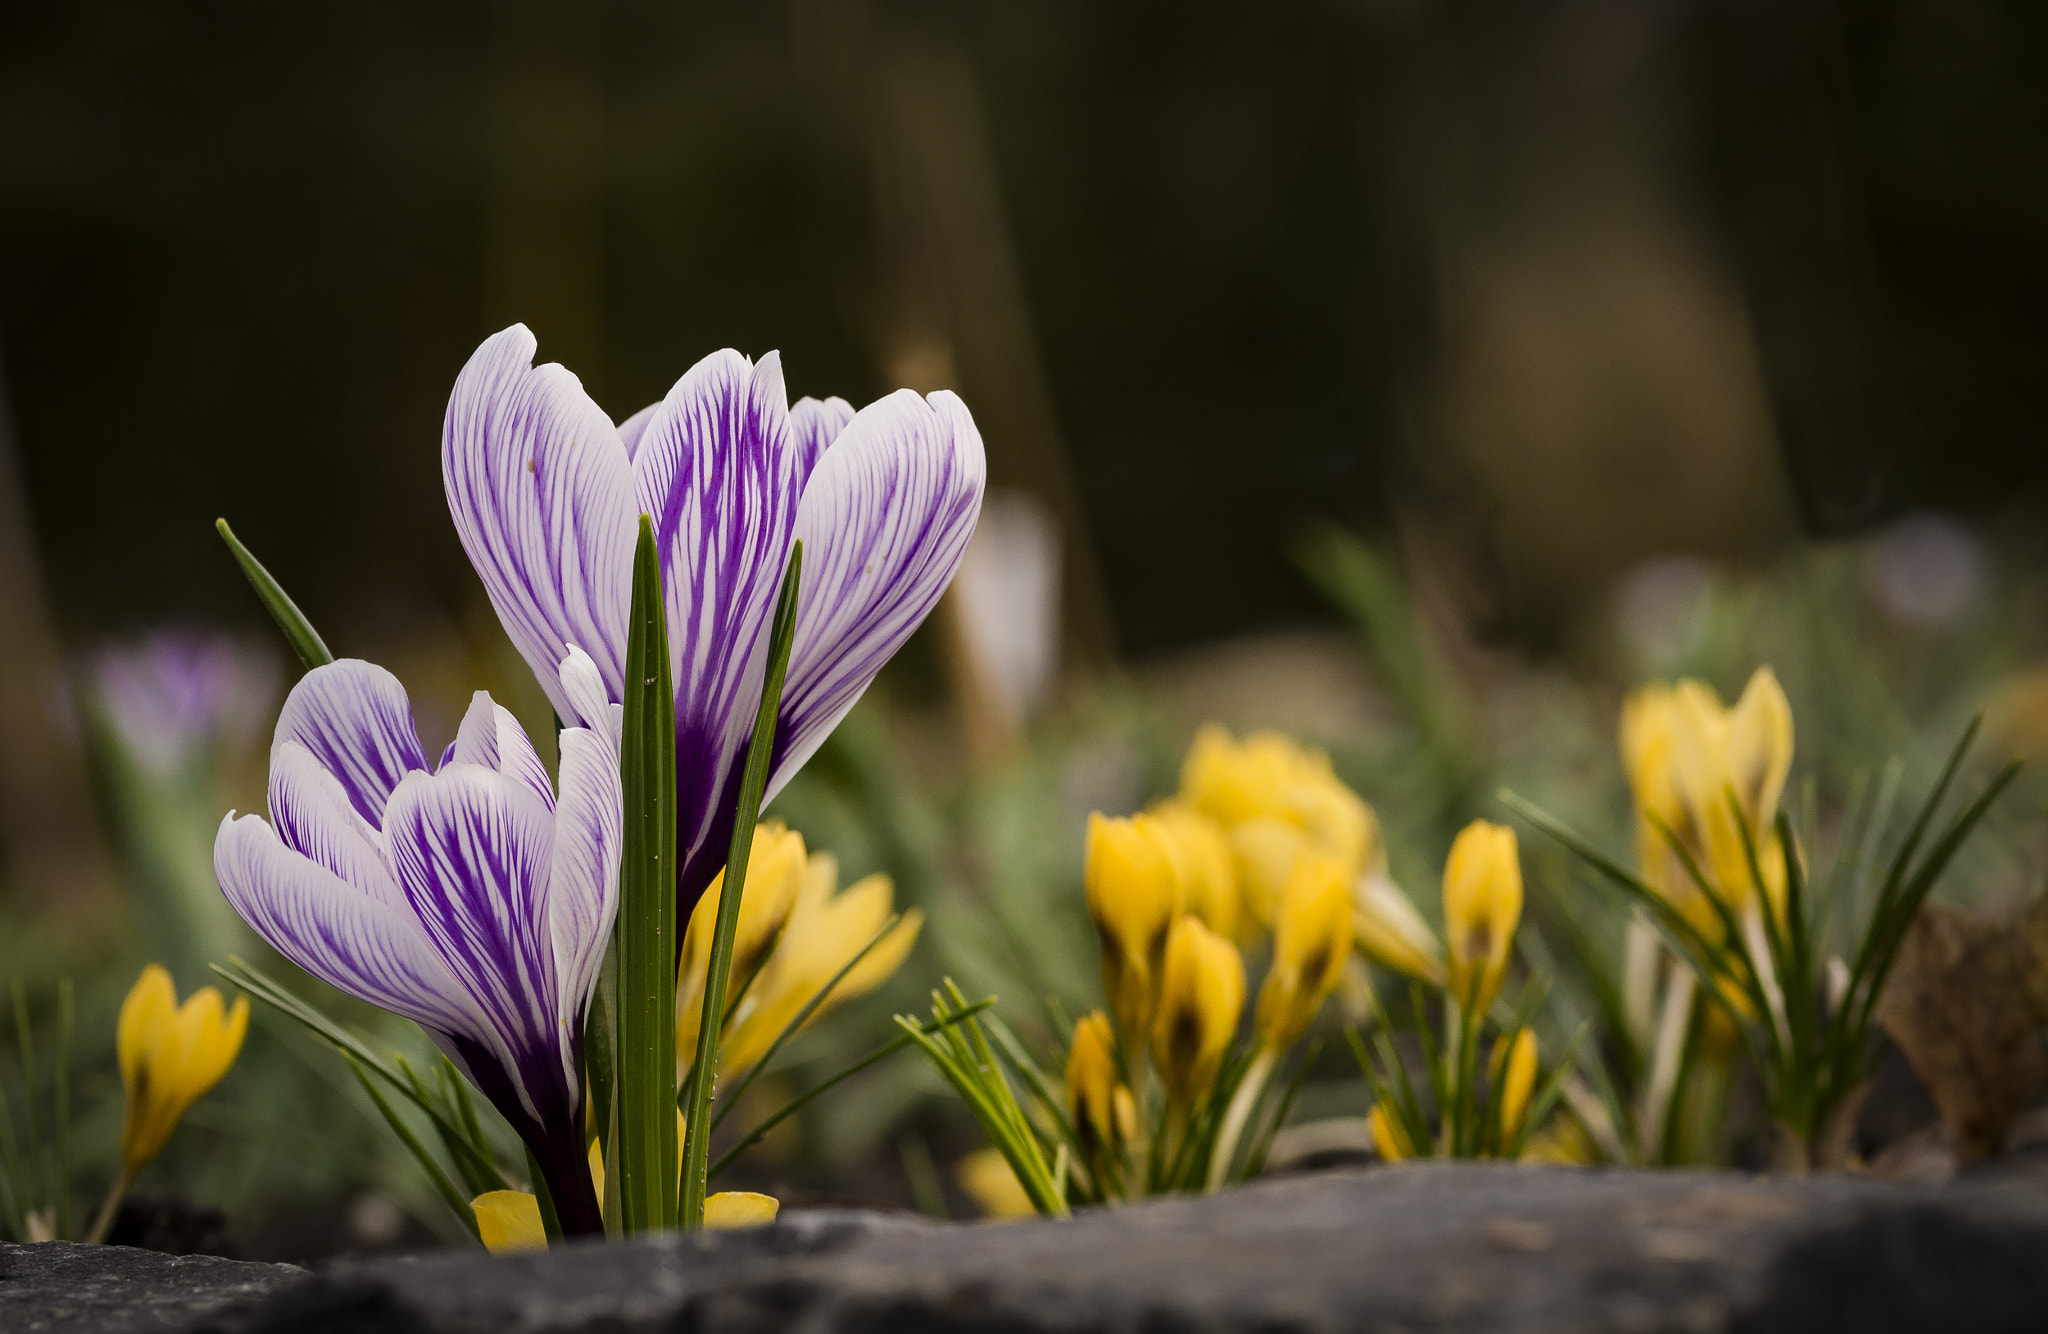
pixel 1532 291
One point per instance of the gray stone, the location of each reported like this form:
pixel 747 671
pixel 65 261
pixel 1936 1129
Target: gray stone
pixel 58 1287
pixel 1465 1247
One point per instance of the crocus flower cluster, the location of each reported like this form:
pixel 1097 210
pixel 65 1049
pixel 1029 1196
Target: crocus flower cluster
pixel 475 895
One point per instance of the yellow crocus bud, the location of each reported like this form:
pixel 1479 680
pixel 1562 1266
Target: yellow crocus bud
pixel 1207 876
pixel 1482 906
pixel 170 1055
pixel 1134 893
pixel 1311 940
pixel 1336 819
pixel 1516 1084
pixel 1649 724
pixel 775 872
pixel 824 932
pixel 1389 1139
pixel 1093 1080
pixel 1201 995
pixel 1745 752
pixel 1231 783
pixel 1391 932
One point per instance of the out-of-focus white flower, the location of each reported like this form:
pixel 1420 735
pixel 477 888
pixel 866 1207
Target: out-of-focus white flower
pixel 1927 570
pixel 175 694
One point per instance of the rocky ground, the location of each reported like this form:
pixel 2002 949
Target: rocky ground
pixel 1465 1247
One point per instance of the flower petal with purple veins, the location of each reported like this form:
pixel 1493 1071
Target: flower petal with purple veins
pixel 542 495
pixel 492 737
pixel 314 818
pixel 631 429
pixel 356 720
pixel 335 931
pixel 717 470
pixel 814 424
pixel 885 522
pixel 473 850
pixel 583 884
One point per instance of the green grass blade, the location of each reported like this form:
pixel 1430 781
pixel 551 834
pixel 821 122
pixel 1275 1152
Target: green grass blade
pixel 796 1104
pixel 428 1163
pixel 65 1021
pixel 697 1140
pixel 644 938
pixel 298 631
pixel 358 1053
pixel 550 1221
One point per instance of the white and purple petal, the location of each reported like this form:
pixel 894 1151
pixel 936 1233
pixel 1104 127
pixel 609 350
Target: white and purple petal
pixel 542 495
pixel 583 881
pixel 492 737
pixel 355 719
pixel 473 850
pixel 885 522
pixel 313 817
pixel 814 423
pixel 336 932
pixel 718 472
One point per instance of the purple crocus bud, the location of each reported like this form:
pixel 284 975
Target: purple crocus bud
pixel 473 898
pixel 546 494
pixel 175 694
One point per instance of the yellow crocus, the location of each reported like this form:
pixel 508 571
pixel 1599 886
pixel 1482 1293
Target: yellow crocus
pixel 1134 893
pixel 775 873
pixel 1207 873
pixel 1391 932
pixel 170 1055
pixel 1482 906
pixel 1517 1082
pixel 1389 1139
pixel 1312 936
pixel 825 930
pixel 1276 800
pixel 1201 995
pixel 1715 753
pixel 1649 727
pixel 1093 1079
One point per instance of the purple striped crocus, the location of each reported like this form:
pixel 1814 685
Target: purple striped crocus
pixel 547 495
pixel 472 897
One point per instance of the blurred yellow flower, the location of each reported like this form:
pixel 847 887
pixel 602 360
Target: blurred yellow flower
pixel 1517 1082
pixel 775 873
pixel 1482 906
pixel 1686 754
pixel 1311 939
pixel 1391 932
pixel 1207 875
pixel 1276 800
pixel 1093 1082
pixel 1389 1140
pixel 1201 995
pixel 988 1177
pixel 824 932
pixel 1134 892
pixel 170 1055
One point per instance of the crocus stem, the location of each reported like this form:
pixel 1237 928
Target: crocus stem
pixel 104 1222
pixel 565 1170
pixel 1238 1113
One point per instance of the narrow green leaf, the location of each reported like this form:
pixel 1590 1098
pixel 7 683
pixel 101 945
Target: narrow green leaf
pixel 298 631
pixel 753 782
pixel 65 1022
pixel 428 1163
pixel 796 1104
pixel 644 938
pixel 358 1053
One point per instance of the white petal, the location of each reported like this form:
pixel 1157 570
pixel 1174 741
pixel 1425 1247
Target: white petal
pixel 492 737
pixel 583 886
pixel 884 522
pixel 355 719
pixel 541 492
pixel 315 819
